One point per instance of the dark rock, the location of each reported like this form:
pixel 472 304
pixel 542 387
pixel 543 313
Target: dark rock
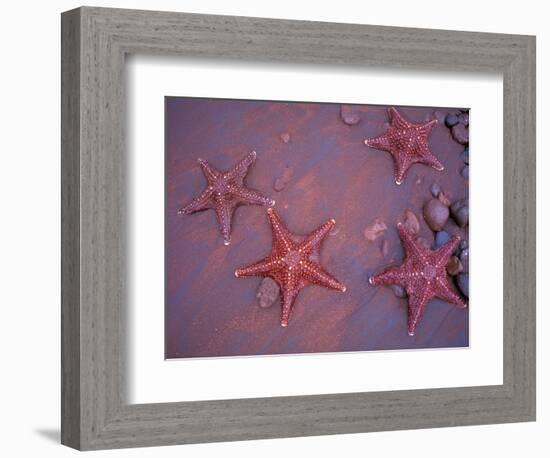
pixel 463 283
pixel 464 118
pixel 349 115
pixel 399 291
pixel 268 293
pixel 411 222
pixel 435 189
pixel 463 244
pixel 460 211
pixel 465 155
pixel 465 172
pixel 454 266
pixel 441 238
pixel 436 214
pixel 462 216
pixel 465 258
pixel 460 134
pixel 451 120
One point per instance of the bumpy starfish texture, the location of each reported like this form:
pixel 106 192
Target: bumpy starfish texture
pixel 292 264
pixel 224 192
pixel 423 275
pixel 407 142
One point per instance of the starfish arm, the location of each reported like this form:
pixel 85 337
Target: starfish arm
pixel 380 142
pixel 289 291
pixel 427 127
pixel 389 276
pixel 428 158
pixel 417 304
pixel 201 202
pixel 209 172
pixel 315 274
pixel 402 164
pixel 315 238
pixel 444 252
pixel 251 196
pixel 241 168
pixel 259 269
pixel 411 247
pixel 224 214
pixel 281 236
pixel 397 120
pixel 446 293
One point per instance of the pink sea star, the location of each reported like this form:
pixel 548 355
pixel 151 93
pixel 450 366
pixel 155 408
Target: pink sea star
pixel 407 142
pixel 225 191
pixel 293 264
pixel 423 275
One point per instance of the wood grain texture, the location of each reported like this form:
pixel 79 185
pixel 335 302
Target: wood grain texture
pixel 96 414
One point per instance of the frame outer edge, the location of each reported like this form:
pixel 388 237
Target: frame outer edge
pixel 520 233
pixel 93 395
pixel 70 229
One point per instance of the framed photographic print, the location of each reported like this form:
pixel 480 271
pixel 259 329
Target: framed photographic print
pixel 292 207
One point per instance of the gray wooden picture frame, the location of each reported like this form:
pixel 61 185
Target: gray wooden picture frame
pixel 95 411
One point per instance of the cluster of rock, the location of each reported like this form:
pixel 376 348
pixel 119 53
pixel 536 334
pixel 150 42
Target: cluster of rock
pixel 458 122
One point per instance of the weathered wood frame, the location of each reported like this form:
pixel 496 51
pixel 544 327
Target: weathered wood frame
pixel 95 413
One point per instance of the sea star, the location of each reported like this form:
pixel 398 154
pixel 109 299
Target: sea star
pixel 423 274
pixel 224 192
pixel 407 142
pixel 293 264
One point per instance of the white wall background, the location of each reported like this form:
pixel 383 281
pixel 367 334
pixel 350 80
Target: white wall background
pixel 29 229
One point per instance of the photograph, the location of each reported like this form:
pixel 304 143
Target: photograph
pixel 299 227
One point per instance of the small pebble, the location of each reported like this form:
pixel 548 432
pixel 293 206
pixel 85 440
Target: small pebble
pixel 375 230
pixel 465 172
pixel 451 120
pixel 435 189
pixel 399 291
pixel 350 116
pixel 460 134
pixel 279 184
pixel 444 199
pixel 464 118
pixel 411 222
pixel 285 137
pixel 454 266
pixel 441 238
pixel 463 283
pixel 436 214
pixel 460 212
pixel 268 293
pixel 463 244
pixel 465 155
pixel 284 179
